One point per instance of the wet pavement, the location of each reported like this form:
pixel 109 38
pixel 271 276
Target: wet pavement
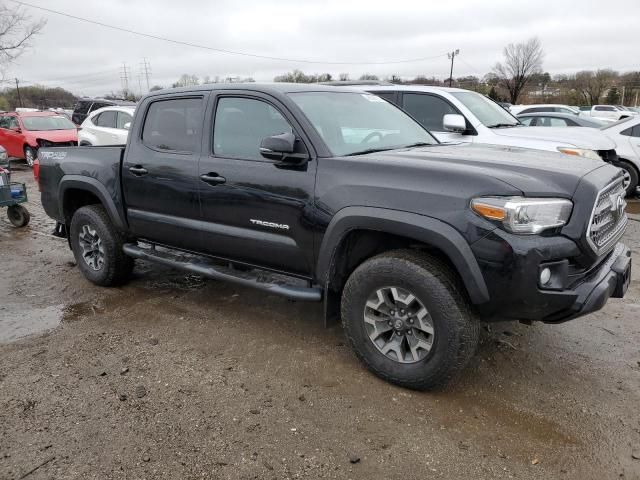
pixel 174 376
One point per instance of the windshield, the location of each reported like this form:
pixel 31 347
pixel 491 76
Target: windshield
pixel 488 112
pixel 47 123
pixel 353 123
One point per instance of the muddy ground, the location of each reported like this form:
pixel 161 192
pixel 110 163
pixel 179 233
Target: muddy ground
pixel 175 377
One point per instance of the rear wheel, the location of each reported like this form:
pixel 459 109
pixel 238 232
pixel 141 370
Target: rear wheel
pixel 408 319
pixel 18 215
pixel 97 247
pixel 29 156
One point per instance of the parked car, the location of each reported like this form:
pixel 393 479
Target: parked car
pixel 85 106
pixel 106 126
pixel 457 115
pixel 552 119
pixel 606 112
pixel 22 134
pixel 626 134
pixel 550 107
pixel 351 202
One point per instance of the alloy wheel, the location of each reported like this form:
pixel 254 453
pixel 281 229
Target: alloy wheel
pixel 399 325
pixel 92 248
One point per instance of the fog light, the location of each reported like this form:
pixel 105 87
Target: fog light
pixel 545 276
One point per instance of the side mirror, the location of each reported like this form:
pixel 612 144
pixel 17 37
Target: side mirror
pixel 127 125
pixel 454 123
pixel 276 146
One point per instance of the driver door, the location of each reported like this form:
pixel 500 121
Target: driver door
pixel 255 210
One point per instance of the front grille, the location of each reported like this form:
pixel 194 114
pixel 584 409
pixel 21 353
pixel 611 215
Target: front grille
pixel 608 219
pixel 608 155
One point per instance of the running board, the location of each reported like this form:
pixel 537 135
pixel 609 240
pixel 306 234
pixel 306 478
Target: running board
pixel 202 266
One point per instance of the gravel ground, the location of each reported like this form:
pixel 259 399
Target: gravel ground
pixel 175 377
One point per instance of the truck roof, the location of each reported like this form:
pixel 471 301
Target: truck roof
pixel 275 87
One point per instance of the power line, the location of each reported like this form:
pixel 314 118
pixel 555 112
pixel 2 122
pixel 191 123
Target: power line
pixel 220 50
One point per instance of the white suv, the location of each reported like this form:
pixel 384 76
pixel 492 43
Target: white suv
pixel 106 126
pixel 457 115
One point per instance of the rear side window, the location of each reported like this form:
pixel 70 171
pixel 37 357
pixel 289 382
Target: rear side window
pixel 106 119
pixel 242 123
pixel 429 110
pixel 629 132
pixel 174 125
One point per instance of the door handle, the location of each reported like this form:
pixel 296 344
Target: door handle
pixel 138 170
pixel 212 178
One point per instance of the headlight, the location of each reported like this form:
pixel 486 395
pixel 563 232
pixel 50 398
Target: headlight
pixel 580 152
pixel 524 215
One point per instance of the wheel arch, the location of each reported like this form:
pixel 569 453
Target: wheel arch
pixel 375 230
pixel 78 191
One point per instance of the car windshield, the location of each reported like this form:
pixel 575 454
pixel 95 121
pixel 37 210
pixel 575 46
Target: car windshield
pixel 488 112
pixel 357 123
pixel 47 123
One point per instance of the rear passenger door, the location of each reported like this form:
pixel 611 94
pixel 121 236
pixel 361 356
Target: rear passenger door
pixel 255 210
pixel 160 171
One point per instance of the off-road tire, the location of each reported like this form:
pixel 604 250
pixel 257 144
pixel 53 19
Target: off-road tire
pixel 456 328
pixel 18 216
pixel 117 266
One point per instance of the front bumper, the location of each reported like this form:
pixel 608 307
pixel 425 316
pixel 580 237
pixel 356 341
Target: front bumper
pixel 513 275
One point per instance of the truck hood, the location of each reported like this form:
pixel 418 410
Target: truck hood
pixel 532 172
pixel 590 138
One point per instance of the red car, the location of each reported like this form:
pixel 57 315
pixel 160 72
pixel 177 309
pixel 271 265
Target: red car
pixel 22 133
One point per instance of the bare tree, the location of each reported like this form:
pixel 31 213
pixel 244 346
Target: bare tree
pixel 17 30
pixel 592 85
pixel 521 61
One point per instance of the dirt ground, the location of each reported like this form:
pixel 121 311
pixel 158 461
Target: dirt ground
pixel 176 377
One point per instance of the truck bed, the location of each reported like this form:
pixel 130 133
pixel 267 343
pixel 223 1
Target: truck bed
pixel 62 167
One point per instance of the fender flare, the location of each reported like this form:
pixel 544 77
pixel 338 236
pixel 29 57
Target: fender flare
pixel 93 186
pixel 421 228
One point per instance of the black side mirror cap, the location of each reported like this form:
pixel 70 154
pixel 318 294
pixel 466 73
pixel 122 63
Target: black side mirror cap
pixel 276 146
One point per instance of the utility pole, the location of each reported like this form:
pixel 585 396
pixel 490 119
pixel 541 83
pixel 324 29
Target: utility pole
pixel 124 78
pixel 146 66
pixel 451 56
pixel 622 101
pixel 18 90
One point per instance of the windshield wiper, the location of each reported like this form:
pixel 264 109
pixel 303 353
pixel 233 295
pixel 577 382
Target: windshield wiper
pixel 503 125
pixel 369 150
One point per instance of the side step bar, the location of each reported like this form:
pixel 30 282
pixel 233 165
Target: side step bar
pixel 201 266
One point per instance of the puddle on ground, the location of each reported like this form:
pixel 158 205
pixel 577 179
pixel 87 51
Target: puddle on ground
pixel 16 323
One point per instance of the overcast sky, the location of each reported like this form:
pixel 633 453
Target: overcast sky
pixel 87 59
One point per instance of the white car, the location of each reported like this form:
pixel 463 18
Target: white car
pixel 457 115
pixel 106 126
pixel 626 134
pixel 546 107
pixel 611 113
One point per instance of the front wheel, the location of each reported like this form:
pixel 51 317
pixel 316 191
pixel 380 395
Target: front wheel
pixel 18 216
pixel 29 156
pixel 630 176
pixel 97 247
pixel 408 319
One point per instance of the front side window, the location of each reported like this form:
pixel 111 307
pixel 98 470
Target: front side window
pixel 355 123
pixel 489 113
pixel 429 110
pixel 174 125
pixel 527 121
pixel 47 123
pixel 106 120
pixel 4 122
pixel 123 119
pixel 242 123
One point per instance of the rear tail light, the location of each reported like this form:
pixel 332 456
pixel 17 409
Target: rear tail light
pixel 36 171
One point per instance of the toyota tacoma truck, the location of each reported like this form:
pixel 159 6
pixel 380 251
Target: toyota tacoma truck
pixel 337 196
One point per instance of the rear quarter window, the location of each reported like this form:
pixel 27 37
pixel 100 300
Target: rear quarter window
pixel 174 125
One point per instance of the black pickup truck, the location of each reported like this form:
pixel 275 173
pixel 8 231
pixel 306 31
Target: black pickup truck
pixel 330 195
